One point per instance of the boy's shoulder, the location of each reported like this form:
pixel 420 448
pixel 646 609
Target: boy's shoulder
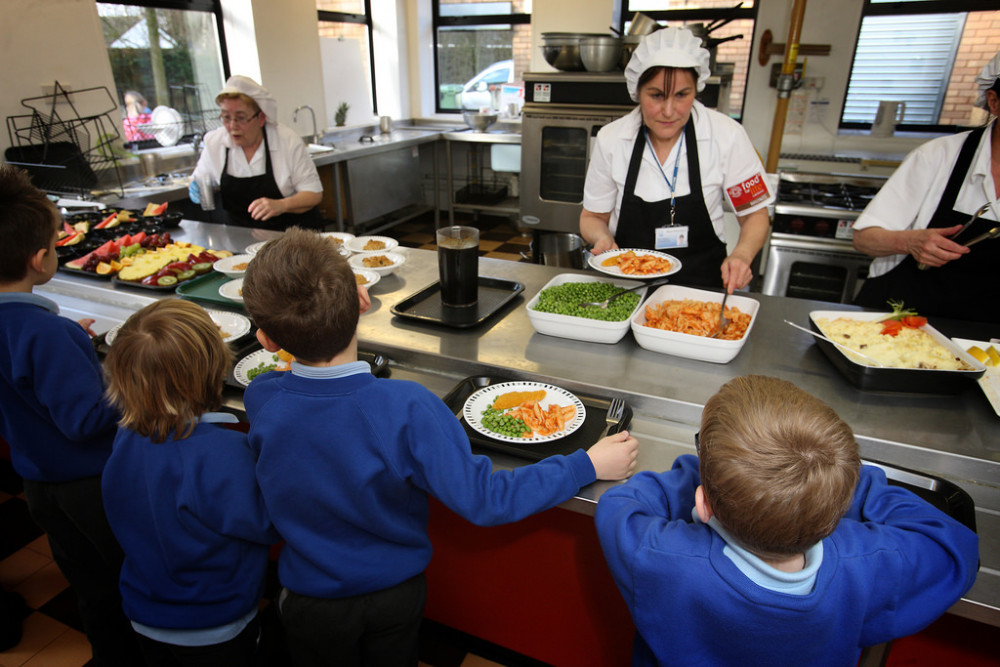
pixel 371 390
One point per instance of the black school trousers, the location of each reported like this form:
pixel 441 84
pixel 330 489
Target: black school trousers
pixel 86 551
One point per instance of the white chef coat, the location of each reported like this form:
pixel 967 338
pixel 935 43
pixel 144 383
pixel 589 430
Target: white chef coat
pixel 293 169
pixel 910 197
pixel 725 155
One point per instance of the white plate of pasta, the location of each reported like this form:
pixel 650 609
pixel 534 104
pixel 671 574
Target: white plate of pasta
pixel 635 263
pixel 678 320
pixel 547 412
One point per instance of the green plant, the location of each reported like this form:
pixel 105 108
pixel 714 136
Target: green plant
pixel 341 116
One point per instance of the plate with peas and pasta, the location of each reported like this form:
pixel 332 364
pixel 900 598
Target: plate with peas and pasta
pixel 524 412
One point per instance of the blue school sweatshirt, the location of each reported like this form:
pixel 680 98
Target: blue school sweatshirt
pixel 52 409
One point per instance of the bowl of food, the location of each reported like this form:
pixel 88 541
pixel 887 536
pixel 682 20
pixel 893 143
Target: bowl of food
pixel 479 121
pixel 382 263
pixel 340 239
pixel 555 310
pixel 681 321
pixel 367 244
pixel 601 53
pixel 366 277
pixel 232 290
pixel 897 357
pixel 233 266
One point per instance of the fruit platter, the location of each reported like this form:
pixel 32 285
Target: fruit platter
pixel 147 260
pixel 82 233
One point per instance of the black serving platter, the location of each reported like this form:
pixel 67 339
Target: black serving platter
pixel 378 363
pixel 426 306
pixel 590 432
pixel 906 380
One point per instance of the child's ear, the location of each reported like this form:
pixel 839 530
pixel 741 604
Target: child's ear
pixel 37 261
pixel 701 504
pixel 266 342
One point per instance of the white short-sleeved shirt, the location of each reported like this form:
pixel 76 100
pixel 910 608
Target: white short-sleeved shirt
pixel 731 170
pixel 294 170
pixel 910 197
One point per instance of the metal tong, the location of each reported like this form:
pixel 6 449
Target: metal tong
pixel 982 237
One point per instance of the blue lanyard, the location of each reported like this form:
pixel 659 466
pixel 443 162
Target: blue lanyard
pixel 677 164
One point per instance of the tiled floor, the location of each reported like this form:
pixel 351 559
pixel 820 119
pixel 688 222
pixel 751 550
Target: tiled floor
pixel 498 237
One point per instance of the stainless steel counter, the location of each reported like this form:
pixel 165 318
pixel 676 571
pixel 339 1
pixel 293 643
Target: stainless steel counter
pixel 955 437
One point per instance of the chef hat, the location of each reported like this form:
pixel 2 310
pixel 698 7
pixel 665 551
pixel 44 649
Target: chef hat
pixel 669 47
pixel 249 87
pixel 987 77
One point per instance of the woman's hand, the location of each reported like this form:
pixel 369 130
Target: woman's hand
pixel 595 231
pixel 933 246
pixel 736 273
pixel 265 209
pixel 604 244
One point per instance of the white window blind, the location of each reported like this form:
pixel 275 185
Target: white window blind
pixel 903 58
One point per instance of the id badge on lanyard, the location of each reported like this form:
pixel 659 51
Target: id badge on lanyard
pixel 670 235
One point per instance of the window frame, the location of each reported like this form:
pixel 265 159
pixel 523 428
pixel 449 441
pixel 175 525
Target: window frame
pixel 910 8
pixel 438 21
pixel 326 16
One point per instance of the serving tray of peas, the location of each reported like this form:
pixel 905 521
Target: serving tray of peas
pixel 556 309
pixel 593 427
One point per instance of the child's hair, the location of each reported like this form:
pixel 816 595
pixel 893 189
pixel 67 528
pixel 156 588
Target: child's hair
pixel 166 369
pixel 302 293
pixel 778 465
pixel 27 221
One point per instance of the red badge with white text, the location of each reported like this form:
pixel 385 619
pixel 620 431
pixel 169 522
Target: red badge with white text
pixel 748 193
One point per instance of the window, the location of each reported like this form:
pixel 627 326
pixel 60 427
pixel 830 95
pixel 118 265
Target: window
pixel 925 53
pixel 165 58
pixel 483 48
pixel 348 55
pixel 729 35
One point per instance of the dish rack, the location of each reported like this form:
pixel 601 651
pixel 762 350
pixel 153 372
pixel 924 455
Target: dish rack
pixel 69 143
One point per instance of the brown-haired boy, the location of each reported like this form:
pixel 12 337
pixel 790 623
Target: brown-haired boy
pixel 181 493
pixel 54 416
pixel 775 546
pixel 347 462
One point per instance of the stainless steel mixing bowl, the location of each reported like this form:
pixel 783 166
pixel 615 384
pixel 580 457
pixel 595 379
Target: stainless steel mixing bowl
pixel 601 54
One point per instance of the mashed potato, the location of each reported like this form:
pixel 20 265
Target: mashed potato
pixel 911 348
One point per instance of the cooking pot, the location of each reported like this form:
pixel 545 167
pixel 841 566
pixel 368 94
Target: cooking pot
pixel 642 25
pixel 563 250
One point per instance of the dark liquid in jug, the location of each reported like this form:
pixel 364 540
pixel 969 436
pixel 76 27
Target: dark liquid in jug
pixel 459 271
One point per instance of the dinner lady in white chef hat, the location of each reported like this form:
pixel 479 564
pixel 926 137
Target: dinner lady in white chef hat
pixel 917 218
pixel 262 169
pixel 660 177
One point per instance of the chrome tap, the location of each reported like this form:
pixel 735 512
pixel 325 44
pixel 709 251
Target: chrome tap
pixel 295 117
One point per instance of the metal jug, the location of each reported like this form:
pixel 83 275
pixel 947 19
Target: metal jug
pixel 888 116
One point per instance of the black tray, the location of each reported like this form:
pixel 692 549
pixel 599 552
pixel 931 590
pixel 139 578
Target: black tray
pixel 942 494
pixel 426 306
pixel 205 289
pixel 378 363
pixel 88 274
pixel 585 436
pixel 900 380
pixel 156 288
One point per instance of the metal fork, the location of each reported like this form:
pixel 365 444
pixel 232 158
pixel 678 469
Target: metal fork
pixel 723 320
pixel 614 416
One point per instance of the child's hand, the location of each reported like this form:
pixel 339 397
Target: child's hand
pixel 614 456
pixel 86 324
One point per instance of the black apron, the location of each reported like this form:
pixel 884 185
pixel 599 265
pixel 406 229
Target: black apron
pixel 956 289
pixel 638 219
pixel 238 193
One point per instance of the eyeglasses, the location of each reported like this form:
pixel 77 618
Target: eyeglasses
pixel 238 119
pixel 697 447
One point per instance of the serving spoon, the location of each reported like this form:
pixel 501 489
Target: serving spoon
pixel 723 320
pixel 604 304
pixel 842 347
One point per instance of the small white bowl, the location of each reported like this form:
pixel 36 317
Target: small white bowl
pixel 357 244
pixel 228 265
pixel 357 262
pixel 232 290
pixel 254 248
pixel 370 276
pixel 341 239
pixel 581 328
pixel 690 346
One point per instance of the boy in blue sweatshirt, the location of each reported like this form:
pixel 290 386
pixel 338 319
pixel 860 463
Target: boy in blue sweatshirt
pixel 181 494
pixel 55 419
pixel 347 462
pixel 775 546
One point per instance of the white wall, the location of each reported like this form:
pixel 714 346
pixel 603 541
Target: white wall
pixel 42 41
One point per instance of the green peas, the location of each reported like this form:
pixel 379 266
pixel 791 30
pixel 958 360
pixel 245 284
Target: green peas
pixel 260 368
pixel 504 424
pixel 564 299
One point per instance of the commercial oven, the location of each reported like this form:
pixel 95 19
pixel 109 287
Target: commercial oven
pixel 562 114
